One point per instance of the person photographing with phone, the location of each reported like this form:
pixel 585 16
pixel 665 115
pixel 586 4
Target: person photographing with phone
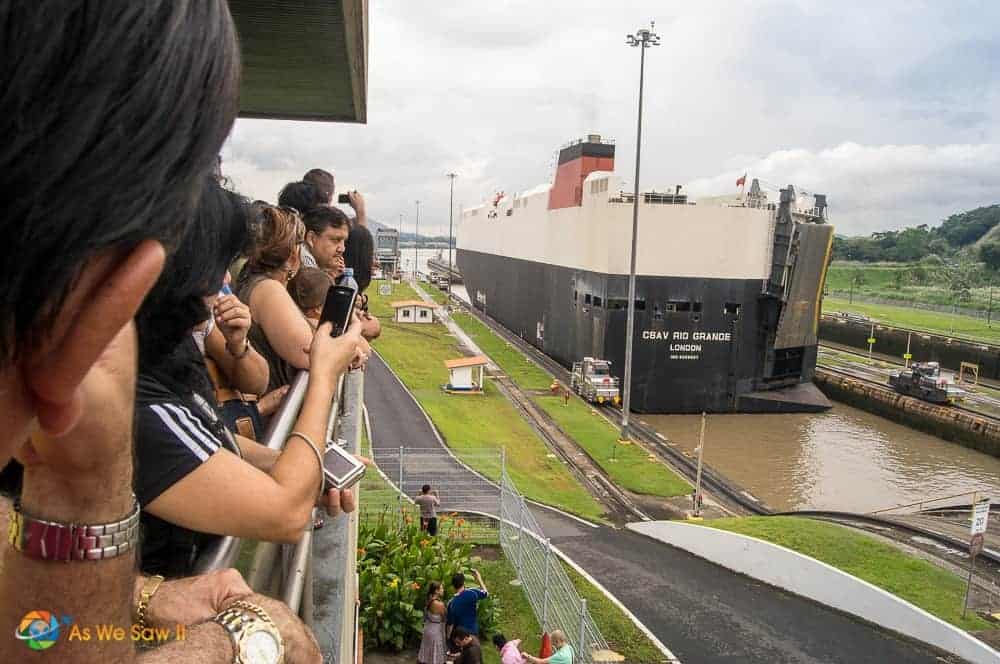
pixel 195 480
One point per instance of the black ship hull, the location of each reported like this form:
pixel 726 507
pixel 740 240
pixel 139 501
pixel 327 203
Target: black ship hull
pixel 700 344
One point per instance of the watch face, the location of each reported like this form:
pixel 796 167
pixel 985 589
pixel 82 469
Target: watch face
pixel 261 647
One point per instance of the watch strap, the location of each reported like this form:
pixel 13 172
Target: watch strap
pixel 149 589
pixel 66 542
pixel 240 617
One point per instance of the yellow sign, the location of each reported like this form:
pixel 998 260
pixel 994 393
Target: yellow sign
pixel 871 340
pixel 907 356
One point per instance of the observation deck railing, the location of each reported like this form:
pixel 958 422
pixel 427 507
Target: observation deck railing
pixel 289 571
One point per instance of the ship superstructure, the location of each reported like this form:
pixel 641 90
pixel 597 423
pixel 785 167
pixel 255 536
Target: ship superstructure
pixel 727 290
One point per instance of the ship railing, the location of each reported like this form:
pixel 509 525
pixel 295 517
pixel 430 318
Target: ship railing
pixel 577 141
pixel 289 571
pixel 651 198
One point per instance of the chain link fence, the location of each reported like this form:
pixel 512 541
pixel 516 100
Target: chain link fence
pixel 916 304
pixel 552 595
pixel 476 485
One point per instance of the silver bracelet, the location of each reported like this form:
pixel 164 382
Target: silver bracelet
pixel 53 540
pixel 319 457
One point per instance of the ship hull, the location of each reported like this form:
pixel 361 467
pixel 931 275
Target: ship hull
pixel 711 355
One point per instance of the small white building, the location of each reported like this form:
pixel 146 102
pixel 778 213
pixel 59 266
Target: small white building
pixel 466 374
pixel 413 311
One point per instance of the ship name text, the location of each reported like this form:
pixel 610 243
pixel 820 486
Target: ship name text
pixel 678 335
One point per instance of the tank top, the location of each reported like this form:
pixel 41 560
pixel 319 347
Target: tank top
pixel 281 372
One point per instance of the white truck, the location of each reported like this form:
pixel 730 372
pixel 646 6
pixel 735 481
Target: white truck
pixel 593 381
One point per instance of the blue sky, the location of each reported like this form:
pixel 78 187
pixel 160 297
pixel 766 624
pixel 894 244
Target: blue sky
pixel 892 108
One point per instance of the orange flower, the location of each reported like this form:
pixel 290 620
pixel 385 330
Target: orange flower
pixel 460 522
pixel 409 519
pixel 361 553
pixel 415 586
pixel 424 542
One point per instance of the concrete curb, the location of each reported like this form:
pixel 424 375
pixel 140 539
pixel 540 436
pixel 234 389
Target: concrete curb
pixel 807 577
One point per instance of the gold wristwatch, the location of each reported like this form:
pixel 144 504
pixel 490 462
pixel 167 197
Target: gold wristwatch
pixel 256 639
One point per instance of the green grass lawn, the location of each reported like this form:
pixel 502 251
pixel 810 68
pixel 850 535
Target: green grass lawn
pixel 632 469
pixel 919 582
pixel 435 293
pixel 517 620
pixel 524 372
pixel 919 319
pixel 475 427
pixel 902 282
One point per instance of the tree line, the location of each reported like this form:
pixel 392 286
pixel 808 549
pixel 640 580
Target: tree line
pixel 962 236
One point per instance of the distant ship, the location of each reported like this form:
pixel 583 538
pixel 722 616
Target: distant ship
pixel 439 265
pixel 727 290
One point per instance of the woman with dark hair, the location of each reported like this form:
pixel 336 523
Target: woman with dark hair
pixel 279 330
pixel 192 480
pixel 432 647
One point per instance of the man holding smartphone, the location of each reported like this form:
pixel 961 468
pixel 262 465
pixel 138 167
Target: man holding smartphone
pixel 325 183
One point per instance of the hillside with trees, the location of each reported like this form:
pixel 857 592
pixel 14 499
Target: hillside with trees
pixel 955 264
pixel 964 236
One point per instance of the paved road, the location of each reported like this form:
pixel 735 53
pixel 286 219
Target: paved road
pixel 702 612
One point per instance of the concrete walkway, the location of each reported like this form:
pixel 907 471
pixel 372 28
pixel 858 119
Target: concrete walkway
pixel 702 612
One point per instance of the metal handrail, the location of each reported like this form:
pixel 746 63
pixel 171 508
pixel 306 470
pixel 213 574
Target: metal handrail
pixel 223 552
pixel 920 503
pixel 287 571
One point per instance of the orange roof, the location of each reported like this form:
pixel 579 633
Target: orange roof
pixel 474 361
pixel 412 303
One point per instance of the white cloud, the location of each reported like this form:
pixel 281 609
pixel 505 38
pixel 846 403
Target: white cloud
pixel 491 89
pixel 872 188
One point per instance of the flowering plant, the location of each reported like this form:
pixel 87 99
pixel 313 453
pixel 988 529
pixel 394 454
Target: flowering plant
pixel 396 563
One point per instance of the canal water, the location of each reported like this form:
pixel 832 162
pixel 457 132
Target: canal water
pixel 844 459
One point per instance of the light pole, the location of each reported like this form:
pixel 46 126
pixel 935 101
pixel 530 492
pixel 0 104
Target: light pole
pixel 451 215
pixel 643 39
pixel 416 244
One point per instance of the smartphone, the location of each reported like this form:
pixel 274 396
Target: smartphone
pixel 343 198
pixel 338 308
pixel 340 469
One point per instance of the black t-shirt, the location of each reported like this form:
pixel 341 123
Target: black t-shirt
pixel 174 435
pixel 359 252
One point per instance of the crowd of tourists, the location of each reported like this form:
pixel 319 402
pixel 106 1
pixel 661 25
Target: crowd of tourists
pixel 152 322
pixel 451 631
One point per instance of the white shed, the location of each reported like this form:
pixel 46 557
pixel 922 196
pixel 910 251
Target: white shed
pixel 413 311
pixel 466 374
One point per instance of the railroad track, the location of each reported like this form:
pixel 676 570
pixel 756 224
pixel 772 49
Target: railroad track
pixel 733 497
pixel 859 376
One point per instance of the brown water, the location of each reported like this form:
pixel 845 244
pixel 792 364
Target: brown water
pixel 844 459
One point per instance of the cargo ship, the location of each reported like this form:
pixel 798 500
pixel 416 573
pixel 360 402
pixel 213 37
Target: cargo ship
pixel 727 288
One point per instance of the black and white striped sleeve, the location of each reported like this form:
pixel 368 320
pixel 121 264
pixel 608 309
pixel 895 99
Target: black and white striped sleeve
pixel 170 442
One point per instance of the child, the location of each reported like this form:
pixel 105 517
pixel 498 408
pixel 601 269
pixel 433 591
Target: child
pixel 308 288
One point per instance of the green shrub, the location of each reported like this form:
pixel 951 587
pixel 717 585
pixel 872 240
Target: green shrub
pixel 396 563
